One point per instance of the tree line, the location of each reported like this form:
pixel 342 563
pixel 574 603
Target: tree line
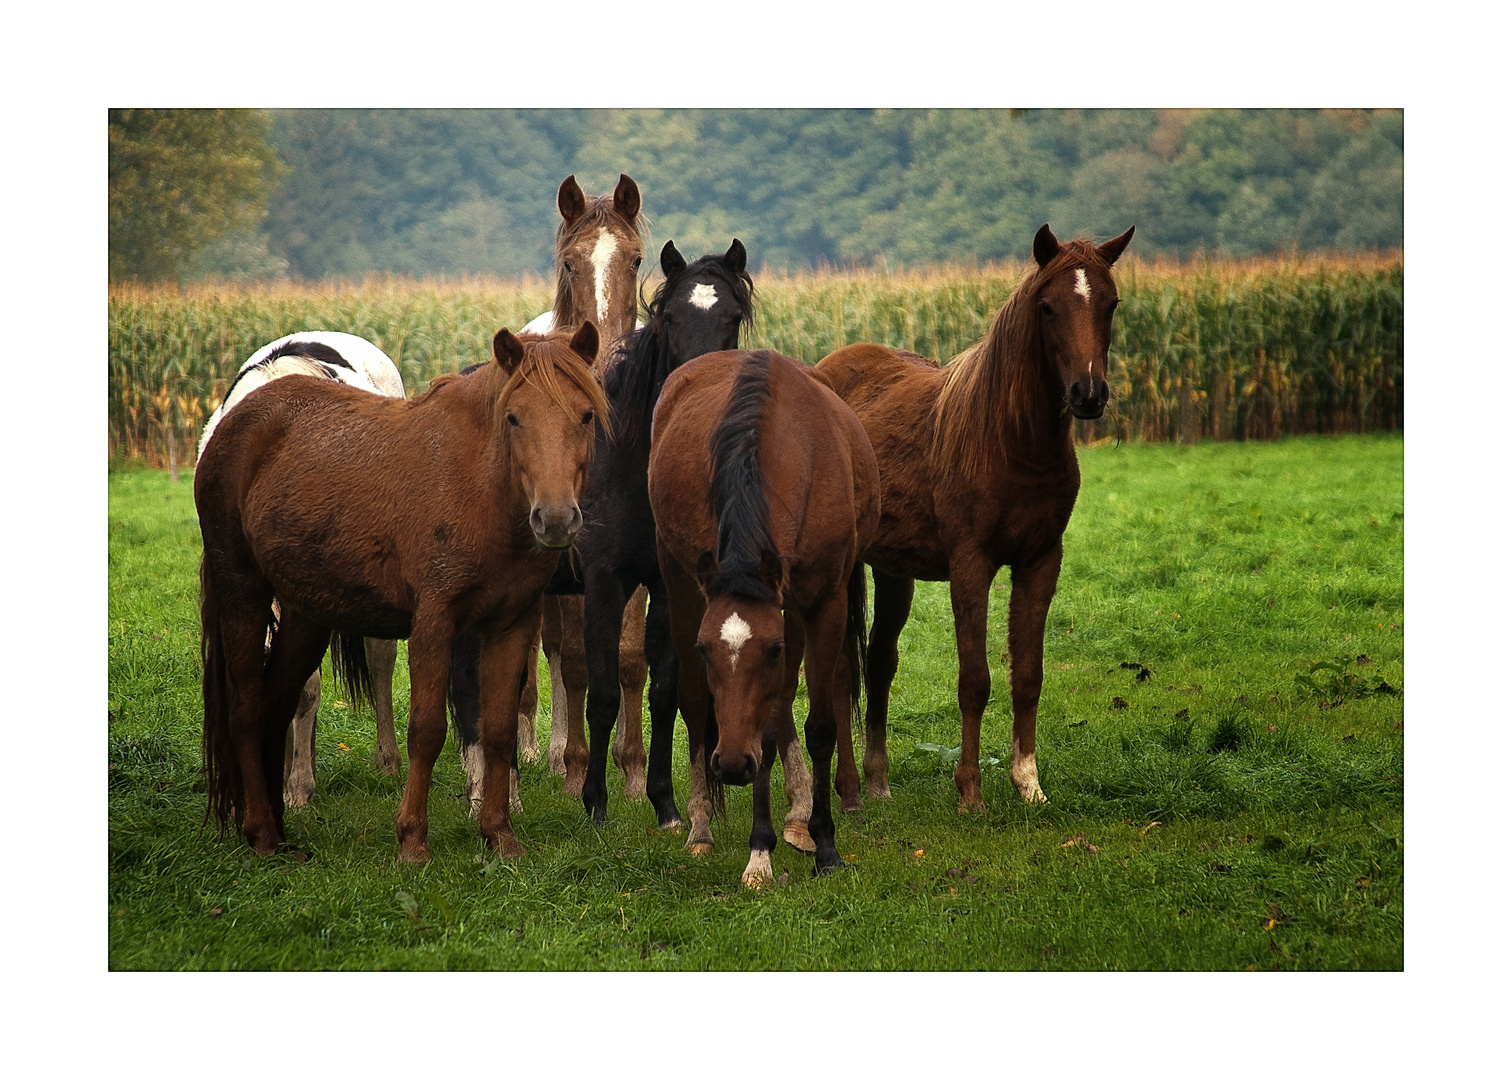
pixel 419 192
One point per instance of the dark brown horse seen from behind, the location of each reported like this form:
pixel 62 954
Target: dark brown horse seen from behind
pixel 979 472
pixel 765 493
pixel 468 496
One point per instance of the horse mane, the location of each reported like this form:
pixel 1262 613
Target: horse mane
pixel 548 361
pixel 634 376
pixel 995 389
pixel 599 211
pixel 737 490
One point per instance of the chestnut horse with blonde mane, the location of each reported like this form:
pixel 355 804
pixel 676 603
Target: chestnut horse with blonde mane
pixel 765 494
pixel 979 472
pixel 372 517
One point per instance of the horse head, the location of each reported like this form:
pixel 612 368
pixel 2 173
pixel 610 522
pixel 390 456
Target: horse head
pixel 546 414
pixel 742 642
pixel 1076 296
pixel 599 249
pixel 700 308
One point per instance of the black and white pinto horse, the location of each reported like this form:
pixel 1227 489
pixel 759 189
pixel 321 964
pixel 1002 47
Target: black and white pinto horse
pixel 701 307
pixel 345 358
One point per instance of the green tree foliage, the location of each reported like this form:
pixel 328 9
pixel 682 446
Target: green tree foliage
pixel 180 179
pixel 420 192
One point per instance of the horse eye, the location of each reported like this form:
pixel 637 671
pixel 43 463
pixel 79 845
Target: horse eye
pixel 567 265
pixel 703 652
pixel 774 654
pixel 636 264
pixel 1045 308
pixel 588 417
pixel 514 421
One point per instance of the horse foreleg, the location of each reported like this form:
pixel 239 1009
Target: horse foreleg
pixel 530 747
pixel 970 578
pixel 603 610
pixel 662 658
pixel 1028 607
pixel 551 645
pixel 797 783
pixel 575 692
pixel 629 747
pixel 299 747
pixel 892 601
pixel 382 656
pixel 430 651
pixel 758 871
pixel 685 605
pixel 501 671
pixel 825 633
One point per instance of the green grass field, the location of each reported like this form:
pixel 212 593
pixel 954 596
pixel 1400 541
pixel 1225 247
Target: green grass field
pixel 1199 583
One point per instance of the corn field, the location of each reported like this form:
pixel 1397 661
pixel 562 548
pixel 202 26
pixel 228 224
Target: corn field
pixel 1220 349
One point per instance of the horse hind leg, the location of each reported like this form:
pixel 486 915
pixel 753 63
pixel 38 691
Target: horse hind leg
pixel 797 782
pixel 299 747
pixel 292 664
pixel 893 599
pixel 382 656
pixel 529 747
pixel 575 693
pixel 551 645
pixel 629 746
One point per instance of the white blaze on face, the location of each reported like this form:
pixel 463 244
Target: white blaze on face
pixel 603 251
pixel 735 633
pixel 703 297
pixel 1083 290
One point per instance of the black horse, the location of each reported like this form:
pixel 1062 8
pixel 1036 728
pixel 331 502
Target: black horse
pixel 700 308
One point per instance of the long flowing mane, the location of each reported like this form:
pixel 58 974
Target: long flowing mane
pixel 996 389
pixel 738 490
pixel 599 213
pixel 634 376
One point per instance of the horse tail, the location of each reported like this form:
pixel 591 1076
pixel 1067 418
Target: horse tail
pixel 349 663
pixel 855 634
pixel 223 778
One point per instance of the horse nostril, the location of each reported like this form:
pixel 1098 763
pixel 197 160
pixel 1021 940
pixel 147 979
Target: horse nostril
pixel 537 519
pixel 714 762
pixel 577 518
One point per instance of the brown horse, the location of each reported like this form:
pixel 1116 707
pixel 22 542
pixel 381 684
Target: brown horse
pixel 978 472
pixel 380 518
pixel 765 493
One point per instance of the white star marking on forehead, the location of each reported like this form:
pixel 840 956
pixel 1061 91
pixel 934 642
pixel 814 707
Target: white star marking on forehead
pixel 603 251
pixel 703 296
pixel 735 632
pixel 1083 290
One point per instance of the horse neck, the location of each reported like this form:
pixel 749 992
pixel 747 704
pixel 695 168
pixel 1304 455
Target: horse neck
pixel 1025 408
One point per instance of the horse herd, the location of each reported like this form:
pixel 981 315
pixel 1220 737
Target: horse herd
pixel 636 498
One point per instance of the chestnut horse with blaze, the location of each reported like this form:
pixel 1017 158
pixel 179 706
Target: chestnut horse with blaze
pixel 979 472
pixel 385 518
pixel 765 494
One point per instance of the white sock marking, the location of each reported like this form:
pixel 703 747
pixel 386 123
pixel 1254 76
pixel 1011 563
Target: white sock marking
pixel 703 297
pixel 603 251
pixel 1083 290
pixel 735 632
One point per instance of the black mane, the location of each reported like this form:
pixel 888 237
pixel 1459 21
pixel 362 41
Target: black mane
pixel 307 350
pixel 738 491
pixel 634 379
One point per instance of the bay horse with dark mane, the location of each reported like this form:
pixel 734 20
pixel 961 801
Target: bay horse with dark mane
pixel 979 472
pixel 374 517
pixel 765 493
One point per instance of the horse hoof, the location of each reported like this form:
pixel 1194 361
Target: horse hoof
pixel 973 805
pixel 507 847
pixel 797 835
pixel 878 791
pixel 673 826
pixel 1034 795
pixel 700 848
pixel 755 879
pixel 386 764
pixel 477 805
pixel 530 754
pixel 296 800
pixel 635 786
pixel 850 803
pixel 417 852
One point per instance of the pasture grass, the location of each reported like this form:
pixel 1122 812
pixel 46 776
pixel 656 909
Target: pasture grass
pixel 1199 583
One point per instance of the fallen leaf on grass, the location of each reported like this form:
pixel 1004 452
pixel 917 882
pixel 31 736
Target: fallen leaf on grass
pixel 1120 703
pixel 1080 840
pixel 1362 883
pixel 1271 729
pixel 1148 827
pixel 850 858
pixel 343 746
pixel 217 911
pixel 783 880
pixel 919 854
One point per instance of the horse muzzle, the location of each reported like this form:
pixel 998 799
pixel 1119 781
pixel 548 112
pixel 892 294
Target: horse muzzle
pixel 738 771
pixel 555 527
pixel 1087 397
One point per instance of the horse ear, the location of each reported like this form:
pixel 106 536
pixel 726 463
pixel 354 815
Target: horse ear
pixel 1114 247
pixel 570 200
pixel 626 198
pixel 672 262
pixel 507 350
pixel 735 259
pixel 1046 246
pixel 705 570
pixel 586 342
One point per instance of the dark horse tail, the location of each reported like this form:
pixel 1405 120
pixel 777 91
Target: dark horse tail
pixel 350 665
pixel 855 634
